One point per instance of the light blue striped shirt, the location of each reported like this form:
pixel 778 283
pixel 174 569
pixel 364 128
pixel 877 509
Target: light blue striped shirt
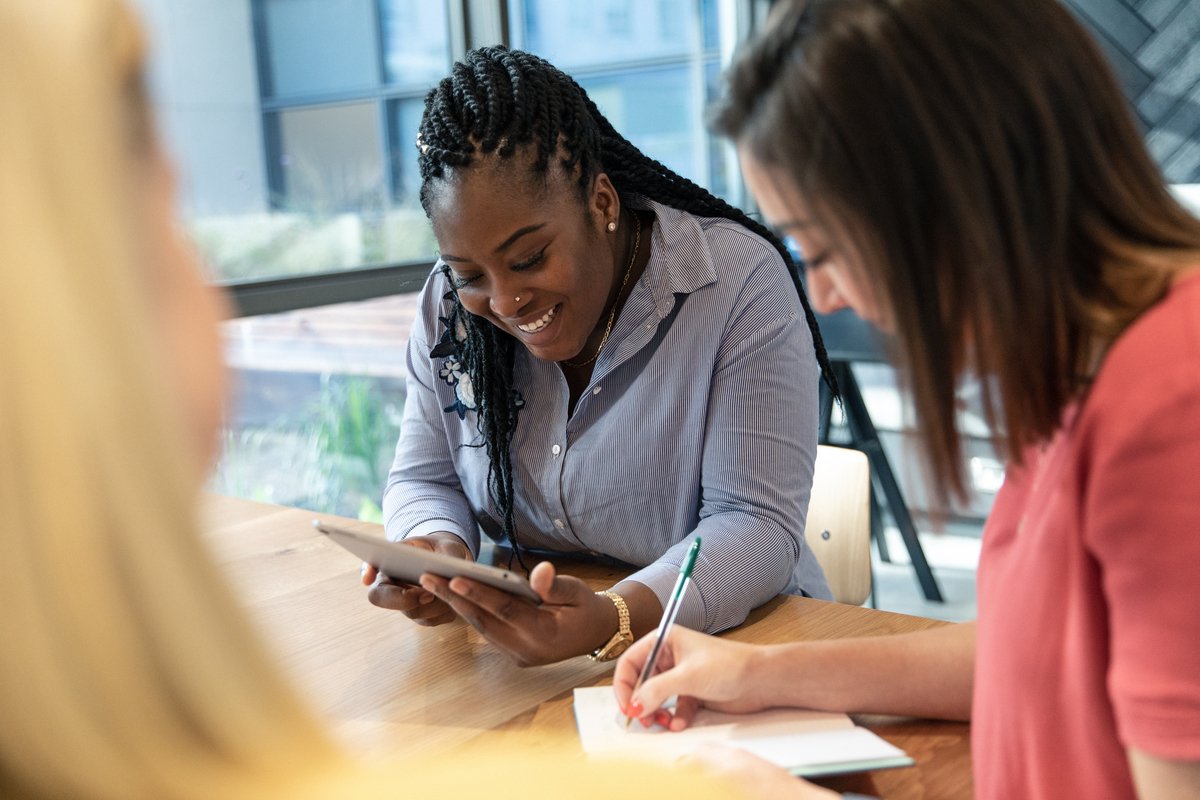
pixel 700 419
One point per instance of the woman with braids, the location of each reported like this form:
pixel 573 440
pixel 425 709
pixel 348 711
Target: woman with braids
pixel 967 173
pixel 608 360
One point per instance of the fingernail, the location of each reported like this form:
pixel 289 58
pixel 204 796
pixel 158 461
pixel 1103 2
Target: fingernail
pixel 662 717
pixel 646 722
pixel 426 584
pixel 634 709
pixel 426 598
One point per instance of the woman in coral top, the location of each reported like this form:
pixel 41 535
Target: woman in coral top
pixel 966 174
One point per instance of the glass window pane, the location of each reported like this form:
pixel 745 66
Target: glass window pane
pixel 710 23
pixel 652 79
pixel 416 42
pixel 318 399
pixel 582 34
pixel 329 158
pixel 318 46
pixel 660 111
pixel 404 119
pixel 316 174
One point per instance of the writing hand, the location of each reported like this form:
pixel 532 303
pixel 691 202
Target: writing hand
pixel 414 602
pixel 571 620
pixel 699 669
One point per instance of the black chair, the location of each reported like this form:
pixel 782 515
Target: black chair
pixel 848 339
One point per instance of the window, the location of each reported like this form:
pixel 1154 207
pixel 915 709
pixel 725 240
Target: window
pixel 650 67
pixel 315 413
pixel 293 125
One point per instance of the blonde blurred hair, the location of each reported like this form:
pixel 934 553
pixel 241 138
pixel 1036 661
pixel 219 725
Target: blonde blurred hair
pixel 127 670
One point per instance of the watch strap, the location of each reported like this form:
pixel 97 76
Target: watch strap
pixel 624 635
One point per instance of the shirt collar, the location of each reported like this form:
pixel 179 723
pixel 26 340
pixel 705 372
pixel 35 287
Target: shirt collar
pixel 680 261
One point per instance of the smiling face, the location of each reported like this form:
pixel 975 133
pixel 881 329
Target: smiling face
pixel 835 278
pixel 531 256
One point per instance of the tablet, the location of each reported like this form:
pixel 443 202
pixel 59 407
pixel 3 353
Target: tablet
pixel 406 564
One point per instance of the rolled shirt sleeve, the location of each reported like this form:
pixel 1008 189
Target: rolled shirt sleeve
pixel 759 447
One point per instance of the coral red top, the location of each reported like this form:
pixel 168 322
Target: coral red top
pixel 1089 580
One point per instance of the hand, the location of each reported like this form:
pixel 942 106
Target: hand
pixel 572 619
pixel 414 602
pixel 756 777
pixel 699 669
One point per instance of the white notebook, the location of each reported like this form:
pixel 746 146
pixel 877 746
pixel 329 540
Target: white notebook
pixel 806 743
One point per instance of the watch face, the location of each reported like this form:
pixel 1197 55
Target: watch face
pixel 617 648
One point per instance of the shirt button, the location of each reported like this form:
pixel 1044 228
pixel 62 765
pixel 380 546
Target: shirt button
pixel 596 390
pixel 556 449
pixel 558 523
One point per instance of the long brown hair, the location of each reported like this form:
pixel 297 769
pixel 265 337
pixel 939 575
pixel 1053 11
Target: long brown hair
pixel 980 162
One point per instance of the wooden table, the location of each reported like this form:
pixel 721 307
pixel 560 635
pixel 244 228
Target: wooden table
pixel 387 683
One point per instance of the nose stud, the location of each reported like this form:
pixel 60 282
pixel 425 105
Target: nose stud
pixel 518 299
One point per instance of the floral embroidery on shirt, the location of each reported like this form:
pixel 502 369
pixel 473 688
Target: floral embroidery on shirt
pixel 464 390
pixel 452 371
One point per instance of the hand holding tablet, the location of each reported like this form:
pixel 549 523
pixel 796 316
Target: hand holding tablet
pixel 406 563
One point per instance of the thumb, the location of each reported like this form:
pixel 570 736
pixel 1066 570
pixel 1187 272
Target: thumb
pixel 661 687
pixel 419 542
pixel 559 590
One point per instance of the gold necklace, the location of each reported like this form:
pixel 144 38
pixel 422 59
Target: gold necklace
pixel 612 315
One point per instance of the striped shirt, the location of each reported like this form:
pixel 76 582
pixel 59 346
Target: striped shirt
pixel 700 419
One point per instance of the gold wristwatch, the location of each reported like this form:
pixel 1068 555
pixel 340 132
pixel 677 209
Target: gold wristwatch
pixel 622 638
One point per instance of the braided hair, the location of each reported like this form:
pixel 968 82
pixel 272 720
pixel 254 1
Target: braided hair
pixel 498 101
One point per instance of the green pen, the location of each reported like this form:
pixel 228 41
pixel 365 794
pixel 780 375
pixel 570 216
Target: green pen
pixel 669 614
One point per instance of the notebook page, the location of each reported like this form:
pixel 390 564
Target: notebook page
pixel 806 742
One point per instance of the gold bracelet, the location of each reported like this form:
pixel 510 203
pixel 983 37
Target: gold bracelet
pixel 624 635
